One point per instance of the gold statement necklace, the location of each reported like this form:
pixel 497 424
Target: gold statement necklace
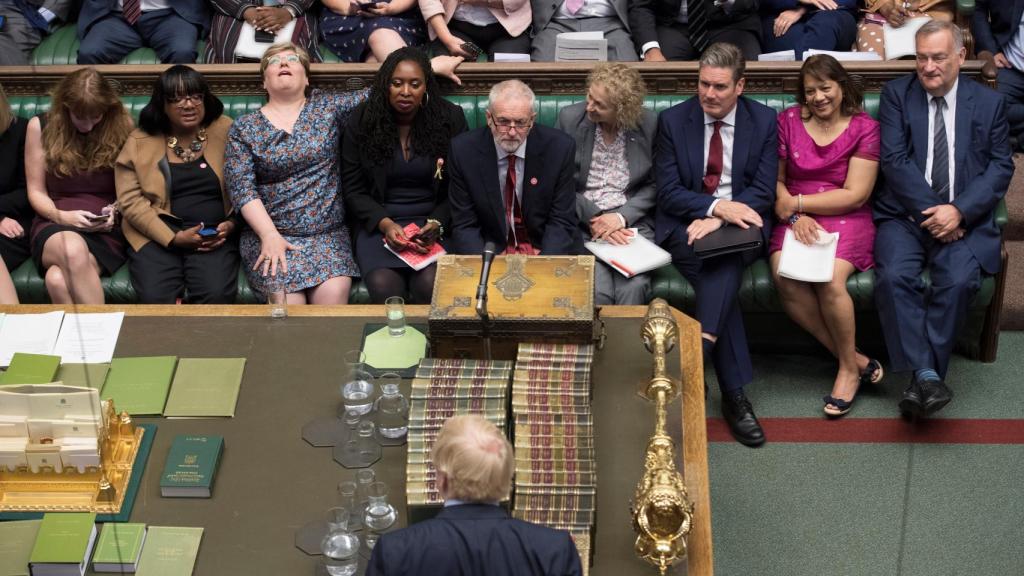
pixel 188 154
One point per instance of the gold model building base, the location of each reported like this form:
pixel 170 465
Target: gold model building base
pixel 100 490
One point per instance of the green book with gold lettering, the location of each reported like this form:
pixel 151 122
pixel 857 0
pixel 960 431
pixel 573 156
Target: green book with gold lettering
pixel 205 387
pixel 139 385
pixel 16 540
pixel 170 551
pixel 119 547
pixel 63 544
pixel 191 465
pixel 30 369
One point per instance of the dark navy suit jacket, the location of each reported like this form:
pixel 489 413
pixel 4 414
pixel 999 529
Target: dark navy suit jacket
pixel 982 160
pixel 475 540
pixel 193 11
pixel 679 164
pixel 549 193
pixel 995 22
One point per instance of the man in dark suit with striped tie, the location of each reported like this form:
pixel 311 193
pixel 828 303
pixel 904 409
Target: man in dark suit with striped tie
pixel 110 29
pixel 716 164
pixel 683 29
pixel 946 163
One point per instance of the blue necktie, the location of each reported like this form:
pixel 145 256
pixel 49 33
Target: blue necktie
pixel 33 16
pixel 940 152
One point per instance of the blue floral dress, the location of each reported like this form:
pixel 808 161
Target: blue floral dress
pixel 296 177
pixel 347 36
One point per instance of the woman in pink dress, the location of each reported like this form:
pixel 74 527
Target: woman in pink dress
pixel 828 162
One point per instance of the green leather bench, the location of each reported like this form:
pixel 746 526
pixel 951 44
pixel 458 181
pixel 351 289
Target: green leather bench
pixel 757 297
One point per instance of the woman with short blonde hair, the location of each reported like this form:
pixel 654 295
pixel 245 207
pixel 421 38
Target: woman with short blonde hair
pixel 615 192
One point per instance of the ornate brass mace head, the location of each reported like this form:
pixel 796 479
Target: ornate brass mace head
pixel 661 510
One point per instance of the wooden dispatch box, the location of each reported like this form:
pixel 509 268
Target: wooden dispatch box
pixel 529 299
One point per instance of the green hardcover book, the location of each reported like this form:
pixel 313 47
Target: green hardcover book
pixel 139 385
pixel 83 375
pixel 16 540
pixel 31 369
pixel 205 387
pixel 191 466
pixel 119 548
pixel 63 544
pixel 170 551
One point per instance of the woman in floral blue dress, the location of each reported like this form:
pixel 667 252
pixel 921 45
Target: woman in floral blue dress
pixel 281 170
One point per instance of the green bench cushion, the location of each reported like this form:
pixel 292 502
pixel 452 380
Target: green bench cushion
pixel 61 48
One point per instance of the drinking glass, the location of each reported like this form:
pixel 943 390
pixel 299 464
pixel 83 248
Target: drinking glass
pixel 395 307
pixel 277 296
pixel 348 499
pixel 357 391
pixel 363 450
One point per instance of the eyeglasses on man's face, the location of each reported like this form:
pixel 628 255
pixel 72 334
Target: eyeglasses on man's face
pixel 290 58
pixel 183 100
pixel 506 124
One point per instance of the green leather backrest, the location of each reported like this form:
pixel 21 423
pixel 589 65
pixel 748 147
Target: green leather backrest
pixel 61 47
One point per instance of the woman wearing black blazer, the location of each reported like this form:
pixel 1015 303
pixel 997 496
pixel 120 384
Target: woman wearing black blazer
pixel 393 173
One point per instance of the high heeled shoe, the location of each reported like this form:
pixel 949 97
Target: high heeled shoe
pixel 842 407
pixel 872 373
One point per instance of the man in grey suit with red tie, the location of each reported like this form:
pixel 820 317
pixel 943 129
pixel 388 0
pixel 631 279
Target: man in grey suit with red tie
pixel 946 163
pixel 716 164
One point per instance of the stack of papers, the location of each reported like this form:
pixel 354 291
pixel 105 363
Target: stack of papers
pixel 639 256
pixel 581 47
pixel 80 338
pixel 813 263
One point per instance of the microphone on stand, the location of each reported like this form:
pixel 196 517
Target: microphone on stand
pixel 481 289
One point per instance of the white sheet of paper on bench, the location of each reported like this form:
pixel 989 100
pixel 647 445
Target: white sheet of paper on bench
pixel 900 42
pixel 814 263
pixel 780 56
pixel 847 56
pixel 28 333
pixel 581 47
pixel 639 256
pixel 88 338
pixel 511 57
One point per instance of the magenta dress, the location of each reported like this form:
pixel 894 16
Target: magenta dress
pixel 811 169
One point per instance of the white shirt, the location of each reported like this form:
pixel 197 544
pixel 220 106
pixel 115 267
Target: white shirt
pixel 682 18
pixel 590 9
pixel 475 15
pixel 949 119
pixel 503 168
pixel 149 5
pixel 1014 50
pixel 727 131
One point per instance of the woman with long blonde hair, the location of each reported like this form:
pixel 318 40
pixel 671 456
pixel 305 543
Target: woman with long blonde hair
pixel 69 165
pixel 15 213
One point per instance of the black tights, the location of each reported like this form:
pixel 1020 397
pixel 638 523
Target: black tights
pixel 405 282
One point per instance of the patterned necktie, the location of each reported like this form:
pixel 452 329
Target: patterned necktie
pixel 713 174
pixel 940 152
pixel 131 10
pixel 573 6
pixel 697 23
pixel 518 241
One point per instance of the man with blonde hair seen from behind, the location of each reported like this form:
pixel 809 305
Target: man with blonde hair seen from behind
pixel 473 535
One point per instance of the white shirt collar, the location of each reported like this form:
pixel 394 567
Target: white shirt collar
pixel 949 96
pixel 729 120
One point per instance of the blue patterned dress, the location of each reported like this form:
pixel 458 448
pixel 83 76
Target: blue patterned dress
pixel 296 177
pixel 347 36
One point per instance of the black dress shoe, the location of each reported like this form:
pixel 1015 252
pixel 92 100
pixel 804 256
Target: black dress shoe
pixel 739 414
pixel 934 396
pixel 910 405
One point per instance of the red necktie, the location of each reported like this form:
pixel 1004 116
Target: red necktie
pixel 131 10
pixel 714 171
pixel 518 242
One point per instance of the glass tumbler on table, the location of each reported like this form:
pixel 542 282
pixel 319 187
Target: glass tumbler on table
pixel 395 309
pixel 357 391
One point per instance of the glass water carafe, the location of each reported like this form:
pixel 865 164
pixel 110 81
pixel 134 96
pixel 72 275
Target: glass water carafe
pixel 340 547
pixel 392 411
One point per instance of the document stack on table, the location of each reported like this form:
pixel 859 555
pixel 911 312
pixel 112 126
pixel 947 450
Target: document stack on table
pixel 441 389
pixel 556 466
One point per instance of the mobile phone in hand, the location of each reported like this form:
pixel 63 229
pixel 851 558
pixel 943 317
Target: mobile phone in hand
pixel 97 218
pixel 263 37
pixel 208 233
pixel 473 50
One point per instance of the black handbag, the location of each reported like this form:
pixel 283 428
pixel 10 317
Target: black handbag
pixel 726 240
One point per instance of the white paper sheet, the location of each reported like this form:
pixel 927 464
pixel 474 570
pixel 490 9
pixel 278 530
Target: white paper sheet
pixel 846 55
pixel 639 256
pixel 902 41
pixel 814 263
pixel 29 333
pixel 780 56
pixel 511 57
pixel 88 338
